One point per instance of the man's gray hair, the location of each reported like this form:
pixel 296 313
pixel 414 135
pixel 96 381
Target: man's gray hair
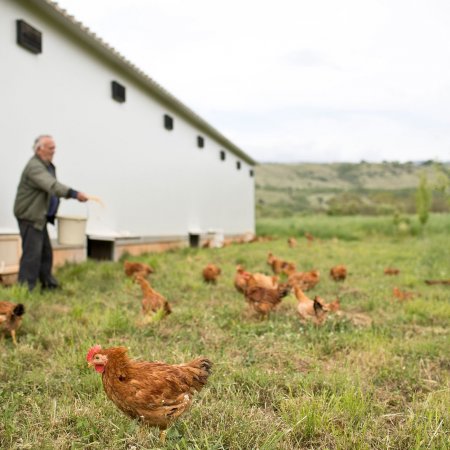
pixel 37 141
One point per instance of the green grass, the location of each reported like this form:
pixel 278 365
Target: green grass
pixel 277 384
pixel 354 227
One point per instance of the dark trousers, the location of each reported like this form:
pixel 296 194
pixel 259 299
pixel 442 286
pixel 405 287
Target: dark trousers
pixel 37 257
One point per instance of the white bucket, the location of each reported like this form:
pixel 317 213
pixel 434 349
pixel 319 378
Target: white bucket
pixel 217 237
pixel 71 230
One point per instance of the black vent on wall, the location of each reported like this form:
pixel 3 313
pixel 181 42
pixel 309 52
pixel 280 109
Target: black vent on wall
pixel 118 92
pixel 200 142
pixel 28 37
pixel 251 173
pixel 238 165
pixel 168 122
pixel 222 155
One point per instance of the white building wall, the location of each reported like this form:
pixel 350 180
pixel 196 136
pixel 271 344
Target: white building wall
pixel 153 182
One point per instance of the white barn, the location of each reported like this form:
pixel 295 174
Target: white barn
pixel 161 170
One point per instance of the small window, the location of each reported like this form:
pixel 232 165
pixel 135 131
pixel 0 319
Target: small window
pixel 238 165
pixel 222 155
pixel 168 122
pixel 28 37
pixel 251 173
pixel 200 142
pixel 118 92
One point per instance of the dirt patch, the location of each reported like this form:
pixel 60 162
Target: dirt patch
pixel 59 309
pixel 356 318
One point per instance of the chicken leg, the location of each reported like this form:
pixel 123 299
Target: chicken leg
pixel 162 436
pixel 13 335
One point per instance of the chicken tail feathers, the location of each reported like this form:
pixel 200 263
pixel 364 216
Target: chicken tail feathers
pixel 285 291
pixel 203 364
pixel 318 306
pixel 19 310
pixel 206 365
pixel 202 368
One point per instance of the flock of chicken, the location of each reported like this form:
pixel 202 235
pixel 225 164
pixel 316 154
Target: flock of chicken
pixel 157 393
pixel 264 293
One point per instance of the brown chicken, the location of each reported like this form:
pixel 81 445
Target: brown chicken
pixel 227 242
pixel 264 300
pixel 207 244
pixel 305 307
pixel 211 273
pixel 338 273
pixel 432 282
pixel 11 318
pixel 402 295
pixel 152 301
pixel 309 237
pixel 304 280
pixel 278 265
pixel 131 268
pixel 155 393
pixel 275 263
pixel 391 271
pixel 320 310
pixel 265 281
pixel 333 306
pixel 240 278
pixel 288 267
pixel 310 310
pixel 292 242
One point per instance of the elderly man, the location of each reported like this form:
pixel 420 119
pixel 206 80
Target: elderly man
pixel 36 203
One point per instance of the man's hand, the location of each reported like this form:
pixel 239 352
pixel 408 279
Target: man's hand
pixel 82 197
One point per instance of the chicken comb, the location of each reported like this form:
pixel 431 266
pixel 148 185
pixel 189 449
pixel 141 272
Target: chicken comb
pixel 92 351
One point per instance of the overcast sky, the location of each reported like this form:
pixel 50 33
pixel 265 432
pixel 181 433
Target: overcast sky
pixel 296 80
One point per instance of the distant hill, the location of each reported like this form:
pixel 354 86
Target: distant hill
pixel 344 188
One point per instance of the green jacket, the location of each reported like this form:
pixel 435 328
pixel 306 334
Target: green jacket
pixel 35 189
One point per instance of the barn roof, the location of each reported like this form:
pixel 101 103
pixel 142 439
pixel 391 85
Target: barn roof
pixel 89 37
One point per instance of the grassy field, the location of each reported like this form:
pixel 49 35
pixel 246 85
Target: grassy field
pixel 277 384
pixel 350 228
